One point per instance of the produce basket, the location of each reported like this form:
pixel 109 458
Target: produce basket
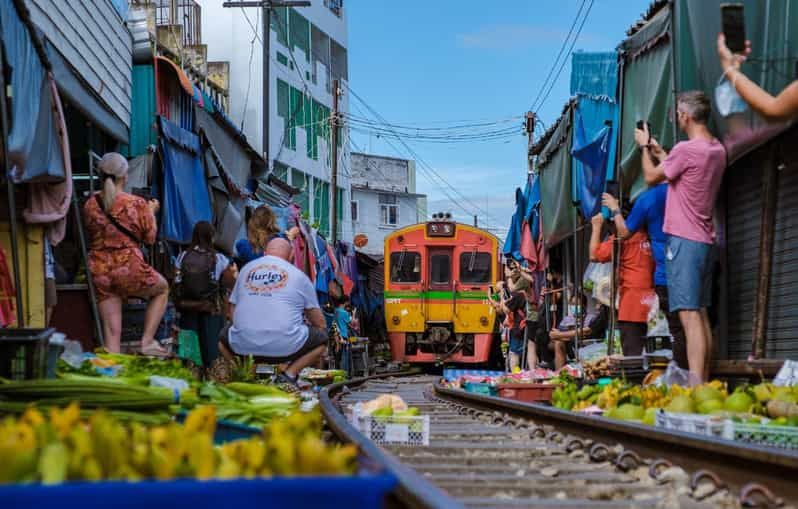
pixel 393 430
pixel 783 437
pixel 227 431
pixel 707 425
pixel 365 491
pixel 23 353
pixel 529 393
pixel 483 388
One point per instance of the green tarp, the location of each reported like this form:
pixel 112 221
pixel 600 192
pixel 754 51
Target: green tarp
pixel 142 115
pixel 647 95
pixel 554 164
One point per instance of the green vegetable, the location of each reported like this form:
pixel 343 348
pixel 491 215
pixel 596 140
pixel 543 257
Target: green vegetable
pixel 247 389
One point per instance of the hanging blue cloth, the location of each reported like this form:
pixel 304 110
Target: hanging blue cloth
pixel 512 245
pixel 593 154
pixel 532 210
pixel 185 193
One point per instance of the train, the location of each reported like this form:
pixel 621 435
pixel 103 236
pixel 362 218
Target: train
pixel 437 275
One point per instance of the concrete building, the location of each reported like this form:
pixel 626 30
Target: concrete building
pixel 384 197
pixel 308 51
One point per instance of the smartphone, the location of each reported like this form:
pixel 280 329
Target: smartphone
pixel 613 188
pixel 647 124
pixel 733 21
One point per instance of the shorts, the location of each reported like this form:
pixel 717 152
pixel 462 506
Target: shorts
pixel 123 273
pixel 50 293
pixel 517 345
pixel 689 267
pixel 316 337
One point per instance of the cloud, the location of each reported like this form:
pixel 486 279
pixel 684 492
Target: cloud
pixel 518 36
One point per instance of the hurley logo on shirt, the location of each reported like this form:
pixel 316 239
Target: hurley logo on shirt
pixel 265 279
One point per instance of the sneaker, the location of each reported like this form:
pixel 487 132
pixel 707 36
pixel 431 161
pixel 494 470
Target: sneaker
pixel 155 350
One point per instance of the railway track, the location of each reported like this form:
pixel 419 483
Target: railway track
pixel 484 453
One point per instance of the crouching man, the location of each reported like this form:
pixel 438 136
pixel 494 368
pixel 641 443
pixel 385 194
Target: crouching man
pixel 275 314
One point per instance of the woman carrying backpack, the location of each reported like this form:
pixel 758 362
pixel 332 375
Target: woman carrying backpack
pixel 203 277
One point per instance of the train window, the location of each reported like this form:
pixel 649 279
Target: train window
pixel 441 268
pixel 405 267
pixel 475 267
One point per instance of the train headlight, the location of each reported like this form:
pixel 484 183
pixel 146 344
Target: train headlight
pixel 396 320
pixel 483 320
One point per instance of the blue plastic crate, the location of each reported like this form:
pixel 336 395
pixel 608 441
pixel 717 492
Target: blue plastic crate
pixel 227 431
pixel 450 375
pixel 365 491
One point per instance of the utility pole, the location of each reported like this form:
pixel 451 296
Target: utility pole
pixel 530 132
pixel 334 124
pixel 267 7
pixel 476 221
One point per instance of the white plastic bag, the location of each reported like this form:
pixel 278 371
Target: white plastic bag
pixel 675 375
pixel 657 321
pixel 597 278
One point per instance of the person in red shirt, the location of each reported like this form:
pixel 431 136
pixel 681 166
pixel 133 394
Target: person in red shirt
pixel 636 286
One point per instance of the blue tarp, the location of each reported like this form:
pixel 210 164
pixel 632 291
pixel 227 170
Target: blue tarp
pixel 532 197
pixel 185 196
pixel 33 144
pixel 512 245
pixel 594 82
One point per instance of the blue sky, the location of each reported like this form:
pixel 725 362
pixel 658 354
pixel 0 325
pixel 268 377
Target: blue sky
pixel 422 61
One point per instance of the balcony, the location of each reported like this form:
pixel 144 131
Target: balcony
pixel 337 6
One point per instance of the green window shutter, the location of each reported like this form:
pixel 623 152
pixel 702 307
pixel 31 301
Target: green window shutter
pixel 325 209
pixel 279 23
pixel 301 182
pixel 299 28
pixel 282 59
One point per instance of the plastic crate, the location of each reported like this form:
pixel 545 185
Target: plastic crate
pixel 227 431
pixel 483 388
pixel 783 437
pixel 529 393
pixel 392 430
pixel 23 353
pixel 364 491
pixel 706 425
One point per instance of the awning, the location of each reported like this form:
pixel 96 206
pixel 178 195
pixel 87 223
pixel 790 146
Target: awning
pixel 169 66
pixel 185 191
pixel 554 164
pixel 236 161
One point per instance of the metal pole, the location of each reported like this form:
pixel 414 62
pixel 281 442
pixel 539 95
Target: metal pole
pixel 674 86
pixel 12 207
pixel 530 131
pixel 267 38
pixel 334 177
pixel 98 328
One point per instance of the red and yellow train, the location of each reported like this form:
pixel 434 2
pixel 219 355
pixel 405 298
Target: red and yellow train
pixel 436 279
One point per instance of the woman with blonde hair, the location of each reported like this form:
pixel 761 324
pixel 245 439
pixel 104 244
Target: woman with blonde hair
pixel 117 224
pixel 261 229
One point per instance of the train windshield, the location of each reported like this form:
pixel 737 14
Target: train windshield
pixel 405 267
pixel 475 267
pixel 441 271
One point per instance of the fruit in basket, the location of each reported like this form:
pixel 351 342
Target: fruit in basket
pixel 739 402
pixel 629 412
pixel 650 417
pixel 704 393
pixel 709 406
pixel 763 392
pixel 778 408
pixel 681 404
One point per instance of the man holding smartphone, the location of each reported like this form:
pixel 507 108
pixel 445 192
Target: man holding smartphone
pixel 693 170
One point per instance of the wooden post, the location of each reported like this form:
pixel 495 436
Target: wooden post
pixel 766 234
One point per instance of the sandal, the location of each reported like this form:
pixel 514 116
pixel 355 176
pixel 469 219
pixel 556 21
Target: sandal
pixel 155 350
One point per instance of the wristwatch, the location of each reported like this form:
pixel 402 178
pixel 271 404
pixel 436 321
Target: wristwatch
pixel 615 212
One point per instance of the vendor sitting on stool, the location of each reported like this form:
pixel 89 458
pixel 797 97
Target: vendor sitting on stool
pixel 594 326
pixel 270 303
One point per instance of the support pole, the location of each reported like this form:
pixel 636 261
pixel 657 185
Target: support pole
pixel 267 40
pixel 334 124
pixel 767 230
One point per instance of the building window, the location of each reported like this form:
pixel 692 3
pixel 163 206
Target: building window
pixel 389 210
pixel 335 6
pixel 355 211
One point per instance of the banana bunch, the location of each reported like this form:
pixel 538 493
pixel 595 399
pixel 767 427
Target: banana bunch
pixel 61 447
pixel 653 396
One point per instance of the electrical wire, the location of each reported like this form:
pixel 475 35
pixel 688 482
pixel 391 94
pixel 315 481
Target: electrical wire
pixel 559 55
pixel 251 54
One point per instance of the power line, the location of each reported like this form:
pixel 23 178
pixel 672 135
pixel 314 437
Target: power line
pixel 570 50
pixel 559 54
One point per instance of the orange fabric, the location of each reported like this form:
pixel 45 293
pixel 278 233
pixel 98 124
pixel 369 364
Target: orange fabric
pixel 185 82
pixel 116 263
pixel 636 275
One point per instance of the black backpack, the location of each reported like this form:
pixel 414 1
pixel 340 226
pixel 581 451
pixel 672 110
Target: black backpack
pixel 197 277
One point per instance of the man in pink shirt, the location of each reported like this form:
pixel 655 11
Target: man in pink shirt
pixel 694 170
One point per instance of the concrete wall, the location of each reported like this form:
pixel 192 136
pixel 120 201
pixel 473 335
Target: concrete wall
pixel 381 172
pixel 369 221
pixel 92 37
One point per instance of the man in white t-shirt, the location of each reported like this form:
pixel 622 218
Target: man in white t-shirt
pixel 270 304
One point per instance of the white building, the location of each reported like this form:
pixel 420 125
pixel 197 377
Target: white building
pixel 384 197
pixel 308 51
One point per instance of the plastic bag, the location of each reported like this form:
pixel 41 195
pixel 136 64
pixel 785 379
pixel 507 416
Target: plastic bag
pixel 657 321
pixel 73 353
pixel 188 346
pixel 592 352
pixel 675 375
pixel 176 384
pixel 597 280
pixel 787 375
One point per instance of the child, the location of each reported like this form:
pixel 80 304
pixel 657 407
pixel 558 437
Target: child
pixel 515 324
pixel 342 319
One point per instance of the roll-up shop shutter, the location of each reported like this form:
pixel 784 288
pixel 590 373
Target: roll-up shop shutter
pixel 782 331
pixel 743 217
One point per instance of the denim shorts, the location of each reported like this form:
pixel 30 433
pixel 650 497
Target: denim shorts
pixel 517 345
pixel 689 267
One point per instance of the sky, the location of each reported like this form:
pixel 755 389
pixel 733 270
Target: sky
pixel 440 63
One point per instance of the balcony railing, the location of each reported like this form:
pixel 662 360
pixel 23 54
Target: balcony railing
pixel 187 13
